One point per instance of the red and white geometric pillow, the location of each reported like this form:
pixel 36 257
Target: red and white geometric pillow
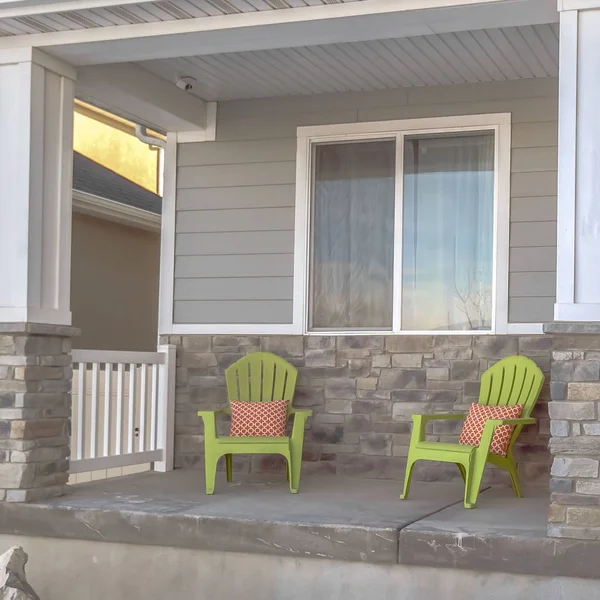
pixel 258 419
pixel 478 415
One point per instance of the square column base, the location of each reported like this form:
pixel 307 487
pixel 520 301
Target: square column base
pixel 575 429
pixel 35 410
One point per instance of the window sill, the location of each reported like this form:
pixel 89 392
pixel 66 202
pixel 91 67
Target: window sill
pixel 387 332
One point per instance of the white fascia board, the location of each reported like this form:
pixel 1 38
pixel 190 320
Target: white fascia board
pixel 263 30
pixel 130 90
pixel 22 8
pixel 19 8
pixel 109 210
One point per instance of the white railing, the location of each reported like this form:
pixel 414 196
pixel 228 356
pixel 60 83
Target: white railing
pixel 123 409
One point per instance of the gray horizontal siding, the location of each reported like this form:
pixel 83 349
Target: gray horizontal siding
pixel 531 284
pixel 452 94
pixel 534 259
pixel 235 265
pixel 248 219
pixel 234 311
pixel 528 185
pixel 235 203
pixel 531 110
pixel 530 310
pixel 533 234
pixel 531 160
pixel 263 196
pixel 244 175
pixel 535 208
pixel 543 134
pixel 235 288
pixel 225 153
pixel 252 242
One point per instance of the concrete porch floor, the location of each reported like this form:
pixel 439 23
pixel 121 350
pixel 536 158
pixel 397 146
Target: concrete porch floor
pixel 331 518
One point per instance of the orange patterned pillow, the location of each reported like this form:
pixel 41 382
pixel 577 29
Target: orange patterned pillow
pixel 478 415
pixel 258 419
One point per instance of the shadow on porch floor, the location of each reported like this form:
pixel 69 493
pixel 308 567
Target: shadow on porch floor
pixel 331 518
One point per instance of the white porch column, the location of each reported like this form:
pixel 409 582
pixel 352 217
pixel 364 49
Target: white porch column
pixel 36 124
pixel 578 266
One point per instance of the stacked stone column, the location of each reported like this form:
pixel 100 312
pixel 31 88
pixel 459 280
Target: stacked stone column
pixel 35 410
pixel 575 443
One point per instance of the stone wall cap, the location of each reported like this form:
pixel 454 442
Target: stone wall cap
pixel 569 328
pixel 39 329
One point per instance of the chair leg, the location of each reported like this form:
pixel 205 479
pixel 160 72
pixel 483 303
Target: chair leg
pixel 229 467
pixel 463 472
pixel 514 478
pixel 293 469
pixel 295 464
pixel 474 477
pixel 407 478
pixel 210 466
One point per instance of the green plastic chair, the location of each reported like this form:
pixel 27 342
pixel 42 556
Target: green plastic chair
pixel 258 377
pixel 513 380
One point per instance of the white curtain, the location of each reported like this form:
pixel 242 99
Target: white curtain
pixel 352 235
pixel 447 232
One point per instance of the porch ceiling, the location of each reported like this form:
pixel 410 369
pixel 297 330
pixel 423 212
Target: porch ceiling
pixel 460 57
pixel 143 12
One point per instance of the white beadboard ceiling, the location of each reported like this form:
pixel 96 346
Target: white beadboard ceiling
pixel 462 57
pixel 145 12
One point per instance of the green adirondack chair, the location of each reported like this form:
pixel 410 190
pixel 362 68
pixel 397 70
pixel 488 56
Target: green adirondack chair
pixel 513 380
pixel 258 377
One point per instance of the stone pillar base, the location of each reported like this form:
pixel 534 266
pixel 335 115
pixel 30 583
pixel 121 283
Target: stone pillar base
pixel 35 410
pixel 575 429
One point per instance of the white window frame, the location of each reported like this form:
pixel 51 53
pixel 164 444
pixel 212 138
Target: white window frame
pixel 499 123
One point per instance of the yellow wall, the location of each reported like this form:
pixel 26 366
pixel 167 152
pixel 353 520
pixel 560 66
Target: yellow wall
pixel 115 147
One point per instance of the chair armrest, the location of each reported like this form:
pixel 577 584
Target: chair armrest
pixel 304 412
pixel 300 417
pixel 491 424
pixel 210 420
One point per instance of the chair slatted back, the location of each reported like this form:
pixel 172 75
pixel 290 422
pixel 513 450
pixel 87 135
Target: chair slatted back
pixel 261 377
pixel 513 380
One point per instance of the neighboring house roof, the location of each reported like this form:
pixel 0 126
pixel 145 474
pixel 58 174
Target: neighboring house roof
pixel 92 178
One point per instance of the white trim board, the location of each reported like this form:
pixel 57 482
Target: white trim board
pixel 119 356
pixel 167 239
pixel 19 8
pixel 290 329
pixel 110 210
pixel 241 329
pixel 83 465
pixel 208 134
pixel 525 328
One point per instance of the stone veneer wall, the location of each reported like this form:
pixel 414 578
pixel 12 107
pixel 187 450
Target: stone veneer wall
pixel 575 444
pixel 35 409
pixel 363 391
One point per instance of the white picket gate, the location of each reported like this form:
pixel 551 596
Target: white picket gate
pixel 123 409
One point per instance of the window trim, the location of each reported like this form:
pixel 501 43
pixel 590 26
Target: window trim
pixel 500 123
